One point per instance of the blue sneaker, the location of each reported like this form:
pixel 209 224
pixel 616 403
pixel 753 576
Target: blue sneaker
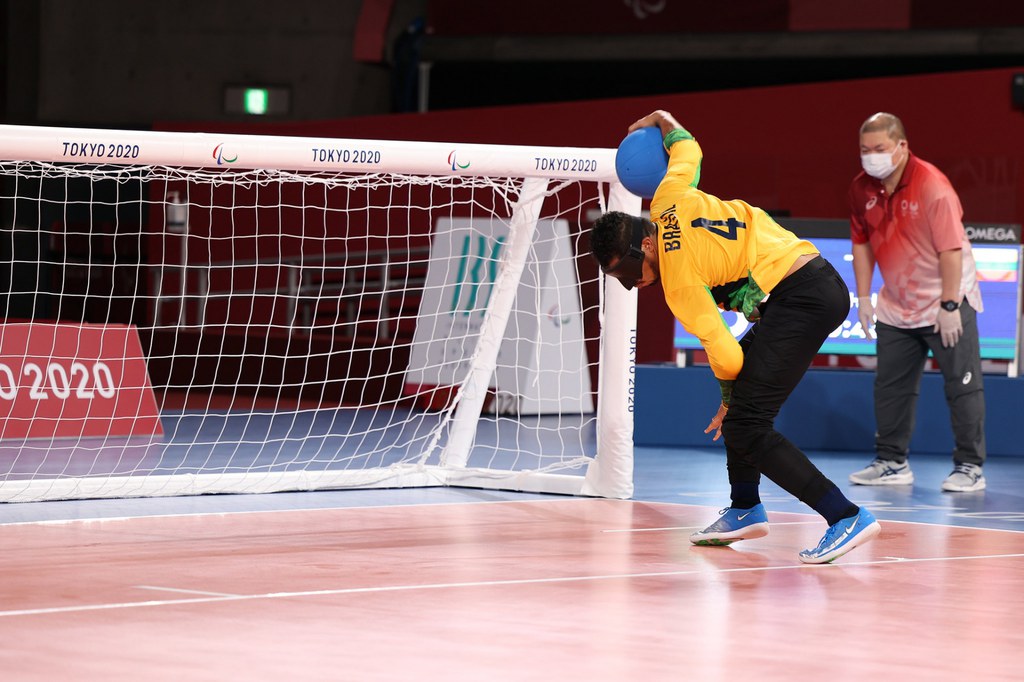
pixel 841 537
pixel 733 525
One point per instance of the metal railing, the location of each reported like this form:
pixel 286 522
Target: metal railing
pixel 344 282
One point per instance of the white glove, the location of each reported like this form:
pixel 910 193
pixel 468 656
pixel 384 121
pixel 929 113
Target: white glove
pixel 866 315
pixel 949 326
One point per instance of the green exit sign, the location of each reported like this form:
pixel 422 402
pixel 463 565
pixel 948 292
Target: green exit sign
pixel 258 100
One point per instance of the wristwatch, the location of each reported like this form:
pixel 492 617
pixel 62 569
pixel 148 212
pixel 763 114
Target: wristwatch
pixel 949 305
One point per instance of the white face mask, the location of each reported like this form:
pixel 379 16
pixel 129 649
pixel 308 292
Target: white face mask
pixel 879 166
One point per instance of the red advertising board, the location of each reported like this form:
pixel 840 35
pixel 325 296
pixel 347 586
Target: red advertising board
pixel 61 380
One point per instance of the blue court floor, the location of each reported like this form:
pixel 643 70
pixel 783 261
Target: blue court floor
pixel 694 476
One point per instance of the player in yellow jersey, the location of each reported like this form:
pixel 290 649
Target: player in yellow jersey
pixel 711 254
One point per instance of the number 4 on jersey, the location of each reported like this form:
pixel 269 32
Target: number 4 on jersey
pixel 715 226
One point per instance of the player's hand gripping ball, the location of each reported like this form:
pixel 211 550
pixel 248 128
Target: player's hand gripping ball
pixel 641 161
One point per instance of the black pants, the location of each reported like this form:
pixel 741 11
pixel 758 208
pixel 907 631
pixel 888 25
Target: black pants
pixel 799 315
pixel 901 357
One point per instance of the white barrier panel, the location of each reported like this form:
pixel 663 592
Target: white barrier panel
pixel 549 325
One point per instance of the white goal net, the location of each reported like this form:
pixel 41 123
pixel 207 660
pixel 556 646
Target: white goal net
pixel 193 314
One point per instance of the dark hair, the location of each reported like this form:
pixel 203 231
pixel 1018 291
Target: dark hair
pixel 612 236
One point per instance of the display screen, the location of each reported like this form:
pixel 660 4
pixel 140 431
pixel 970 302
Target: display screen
pixel 998 268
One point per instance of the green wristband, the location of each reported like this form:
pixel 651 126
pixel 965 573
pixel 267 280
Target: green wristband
pixel 726 386
pixel 676 135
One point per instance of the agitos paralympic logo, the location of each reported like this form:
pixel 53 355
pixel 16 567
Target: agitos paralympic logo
pixel 218 154
pixel 454 162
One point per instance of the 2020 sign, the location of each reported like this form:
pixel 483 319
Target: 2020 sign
pixel 67 380
pixel 81 380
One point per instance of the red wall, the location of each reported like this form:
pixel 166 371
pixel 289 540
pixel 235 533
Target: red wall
pixel 790 148
pixel 590 17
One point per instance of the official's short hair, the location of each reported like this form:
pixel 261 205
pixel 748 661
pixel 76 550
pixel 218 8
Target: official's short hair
pixel 884 122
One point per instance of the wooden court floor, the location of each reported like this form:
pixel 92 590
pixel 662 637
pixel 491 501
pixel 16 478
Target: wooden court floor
pixel 553 589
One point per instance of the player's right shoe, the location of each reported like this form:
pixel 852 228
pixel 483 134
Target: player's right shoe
pixel 734 525
pixel 883 472
pixel 841 537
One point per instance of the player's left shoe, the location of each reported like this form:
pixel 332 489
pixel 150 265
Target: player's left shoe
pixel 843 536
pixel 734 525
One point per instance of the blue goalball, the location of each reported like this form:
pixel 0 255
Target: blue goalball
pixel 641 161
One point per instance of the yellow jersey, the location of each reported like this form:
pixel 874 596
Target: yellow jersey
pixel 715 254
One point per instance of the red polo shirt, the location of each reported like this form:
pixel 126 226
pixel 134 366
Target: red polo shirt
pixel 907 231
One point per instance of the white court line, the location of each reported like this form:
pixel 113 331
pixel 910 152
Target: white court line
pixel 558 500
pixel 649 530
pixel 485 583
pixel 293 510
pixel 184 591
pixel 868 504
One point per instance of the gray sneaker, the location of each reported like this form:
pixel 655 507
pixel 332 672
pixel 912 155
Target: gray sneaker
pixel 965 478
pixel 883 472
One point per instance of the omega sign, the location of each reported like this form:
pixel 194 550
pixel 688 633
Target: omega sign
pixel 992 233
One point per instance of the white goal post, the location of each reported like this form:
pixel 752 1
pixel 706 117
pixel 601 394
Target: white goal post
pixel 193 313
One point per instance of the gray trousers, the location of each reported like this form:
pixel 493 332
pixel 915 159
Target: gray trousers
pixel 901 359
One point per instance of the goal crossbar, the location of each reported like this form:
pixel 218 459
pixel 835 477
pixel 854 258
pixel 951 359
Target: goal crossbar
pixel 311 154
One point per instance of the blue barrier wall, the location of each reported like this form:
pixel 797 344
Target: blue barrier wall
pixel 829 410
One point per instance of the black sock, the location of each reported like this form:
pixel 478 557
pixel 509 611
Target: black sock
pixel 834 506
pixel 745 495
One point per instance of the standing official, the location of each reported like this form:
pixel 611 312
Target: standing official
pixel 906 218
